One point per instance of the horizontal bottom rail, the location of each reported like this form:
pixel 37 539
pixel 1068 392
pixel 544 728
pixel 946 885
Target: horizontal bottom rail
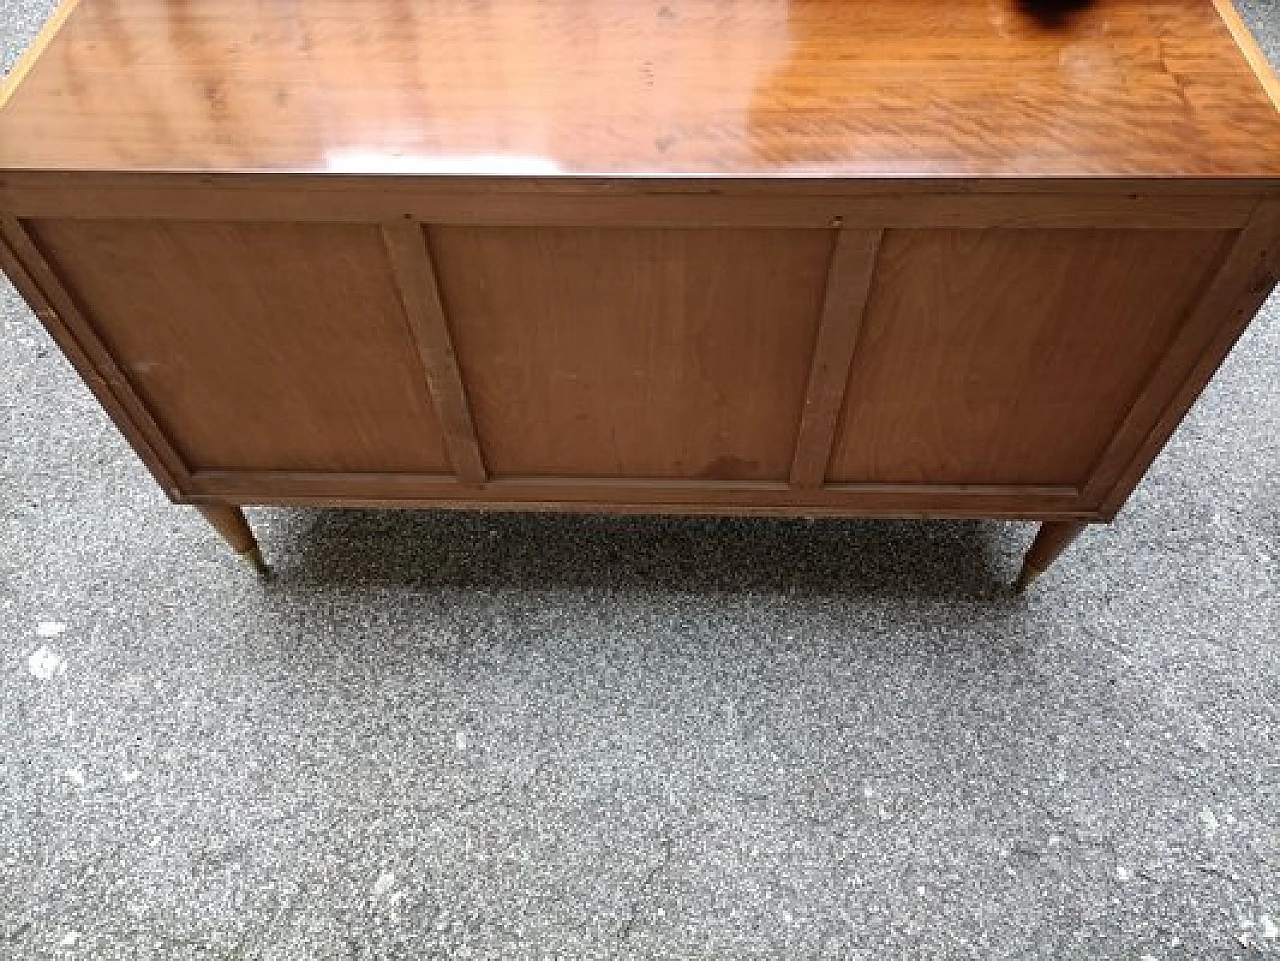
pixel 640 495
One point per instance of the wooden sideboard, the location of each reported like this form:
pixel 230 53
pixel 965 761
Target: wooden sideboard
pixel 789 257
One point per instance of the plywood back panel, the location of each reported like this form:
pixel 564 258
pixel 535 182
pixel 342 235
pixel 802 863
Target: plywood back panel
pixel 665 353
pixel 1010 356
pixel 257 346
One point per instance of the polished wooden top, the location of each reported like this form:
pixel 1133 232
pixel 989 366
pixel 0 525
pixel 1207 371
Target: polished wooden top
pixel 752 88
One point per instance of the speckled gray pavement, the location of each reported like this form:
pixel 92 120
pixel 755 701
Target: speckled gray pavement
pixel 538 737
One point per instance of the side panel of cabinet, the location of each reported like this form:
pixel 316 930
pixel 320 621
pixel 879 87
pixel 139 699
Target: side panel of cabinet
pixel 256 346
pixel 1011 357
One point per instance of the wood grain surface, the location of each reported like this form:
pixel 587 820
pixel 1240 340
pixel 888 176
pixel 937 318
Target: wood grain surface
pixel 1010 356
pixel 420 290
pixel 634 353
pixel 718 88
pixel 853 264
pixel 257 346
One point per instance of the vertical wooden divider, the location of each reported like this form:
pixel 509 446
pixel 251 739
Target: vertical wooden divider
pixel 415 275
pixel 853 266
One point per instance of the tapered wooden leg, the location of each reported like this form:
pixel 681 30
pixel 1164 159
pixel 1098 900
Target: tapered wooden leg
pixel 228 520
pixel 1053 538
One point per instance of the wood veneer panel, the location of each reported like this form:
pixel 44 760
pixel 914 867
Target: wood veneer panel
pixel 44 293
pixel 1249 273
pixel 704 87
pixel 257 346
pixel 1011 357
pixel 634 353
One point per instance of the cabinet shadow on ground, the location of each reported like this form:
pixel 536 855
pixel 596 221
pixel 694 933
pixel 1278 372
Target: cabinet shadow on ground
pixel 535 551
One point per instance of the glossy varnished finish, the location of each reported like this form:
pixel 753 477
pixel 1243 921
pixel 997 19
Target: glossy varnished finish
pixel 890 258
pixel 969 88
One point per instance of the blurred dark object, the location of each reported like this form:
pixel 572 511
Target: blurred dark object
pixel 1052 13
